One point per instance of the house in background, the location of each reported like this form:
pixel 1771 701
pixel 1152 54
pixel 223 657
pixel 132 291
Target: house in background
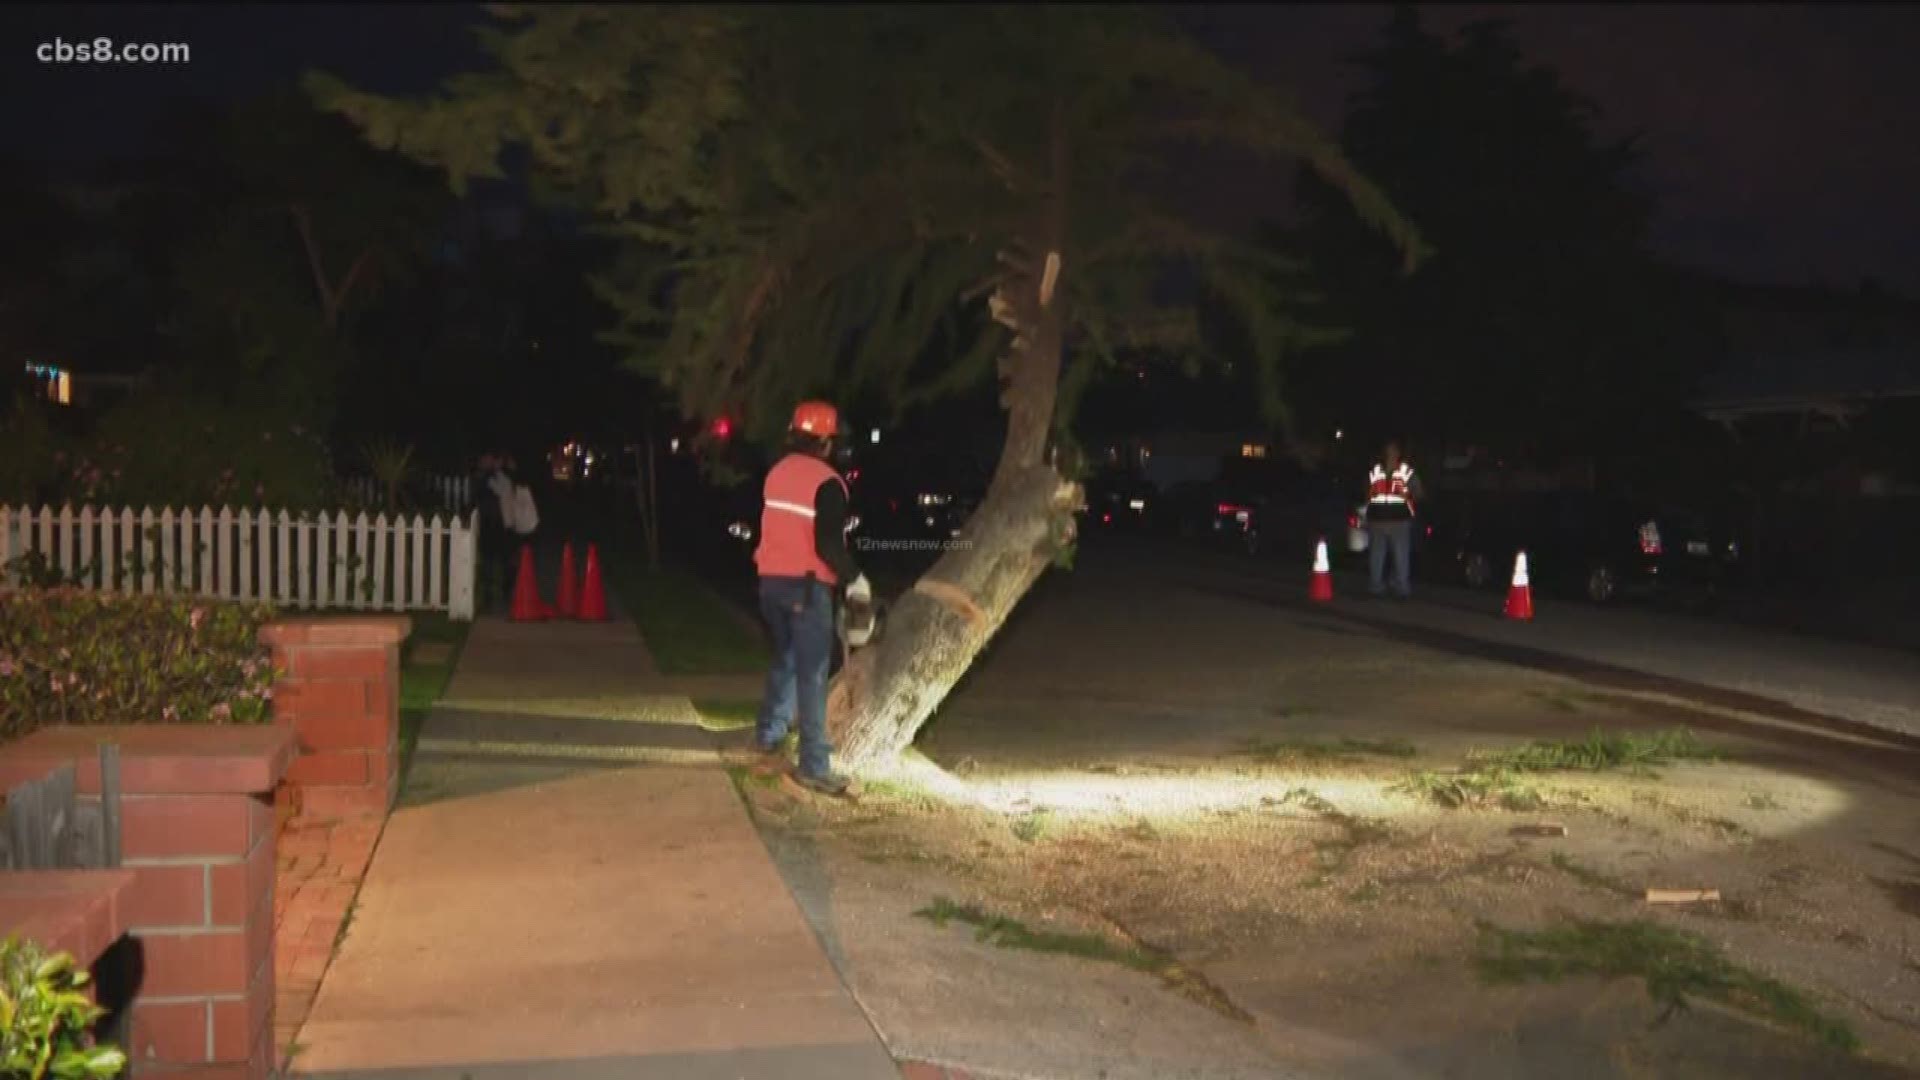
pixel 1825 385
pixel 90 391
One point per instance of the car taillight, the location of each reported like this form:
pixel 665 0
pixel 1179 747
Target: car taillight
pixel 1650 539
pixel 1228 508
pixel 1353 521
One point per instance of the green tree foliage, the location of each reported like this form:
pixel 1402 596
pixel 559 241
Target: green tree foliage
pixel 894 204
pixel 1543 325
pixel 300 229
pixel 810 195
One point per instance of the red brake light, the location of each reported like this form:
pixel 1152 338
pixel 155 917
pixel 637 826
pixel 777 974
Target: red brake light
pixel 722 428
pixel 1650 539
pixel 1353 521
pixel 1106 519
pixel 1229 508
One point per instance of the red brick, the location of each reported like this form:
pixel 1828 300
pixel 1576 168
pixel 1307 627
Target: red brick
pixel 229 1071
pixel 237 888
pixel 262 822
pixel 305 700
pixel 367 728
pixel 352 662
pixel 168 826
pixel 156 759
pixel 260 938
pixel 380 767
pixel 321 803
pixel 335 631
pixel 166 896
pixel 169 1031
pixel 239 1025
pixel 329 767
pixel 180 965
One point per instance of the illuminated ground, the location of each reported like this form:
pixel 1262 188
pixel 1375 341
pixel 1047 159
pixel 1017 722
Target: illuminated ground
pixel 1164 768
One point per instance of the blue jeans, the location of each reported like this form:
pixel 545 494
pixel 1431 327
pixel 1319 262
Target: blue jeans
pixel 1399 536
pixel 799 613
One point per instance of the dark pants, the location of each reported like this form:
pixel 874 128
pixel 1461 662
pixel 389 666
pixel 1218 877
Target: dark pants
pixel 799 615
pixel 497 563
pixel 1397 535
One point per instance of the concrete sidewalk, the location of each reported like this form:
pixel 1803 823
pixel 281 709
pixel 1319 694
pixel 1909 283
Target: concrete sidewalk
pixel 540 907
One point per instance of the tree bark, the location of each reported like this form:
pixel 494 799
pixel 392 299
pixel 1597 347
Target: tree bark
pixel 933 633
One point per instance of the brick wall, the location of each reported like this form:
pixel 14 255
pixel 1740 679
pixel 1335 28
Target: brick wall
pixel 197 834
pixel 339 690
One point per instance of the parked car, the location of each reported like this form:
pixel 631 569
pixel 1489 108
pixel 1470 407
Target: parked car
pixel 906 496
pixel 1121 501
pixel 1263 507
pixel 1602 547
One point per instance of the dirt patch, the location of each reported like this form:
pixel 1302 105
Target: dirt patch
pixel 1229 788
pixel 1316 890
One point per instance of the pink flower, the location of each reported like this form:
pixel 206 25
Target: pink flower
pixel 199 616
pixel 170 714
pixel 54 684
pixel 223 711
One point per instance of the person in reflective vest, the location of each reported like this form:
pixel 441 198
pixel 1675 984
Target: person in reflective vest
pixel 803 564
pixel 1392 493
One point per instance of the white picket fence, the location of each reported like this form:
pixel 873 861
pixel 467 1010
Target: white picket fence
pixel 307 561
pixel 447 494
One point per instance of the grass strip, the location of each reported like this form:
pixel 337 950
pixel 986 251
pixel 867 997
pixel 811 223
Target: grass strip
pixel 1676 966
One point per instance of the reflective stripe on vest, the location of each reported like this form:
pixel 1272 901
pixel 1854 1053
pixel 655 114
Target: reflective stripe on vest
pixel 1393 489
pixel 786 524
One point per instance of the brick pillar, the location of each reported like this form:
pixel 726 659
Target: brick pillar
pixel 197 834
pixel 339 690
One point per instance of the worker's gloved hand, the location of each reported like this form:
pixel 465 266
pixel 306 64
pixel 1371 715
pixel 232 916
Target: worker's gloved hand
pixel 860 592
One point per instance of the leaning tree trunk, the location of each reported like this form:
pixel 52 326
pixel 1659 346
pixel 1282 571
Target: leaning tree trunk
pixel 934 632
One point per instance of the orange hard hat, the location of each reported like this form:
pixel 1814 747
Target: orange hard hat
pixel 817 418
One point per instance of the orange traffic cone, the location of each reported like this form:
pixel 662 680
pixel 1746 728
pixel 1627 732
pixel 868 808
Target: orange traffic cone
pixel 569 587
pixel 527 606
pixel 593 593
pixel 1520 594
pixel 1321 590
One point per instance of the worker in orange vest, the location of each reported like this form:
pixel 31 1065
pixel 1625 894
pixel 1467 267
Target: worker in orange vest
pixel 804 563
pixel 1392 491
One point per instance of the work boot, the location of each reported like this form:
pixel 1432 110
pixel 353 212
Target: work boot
pixel 828 783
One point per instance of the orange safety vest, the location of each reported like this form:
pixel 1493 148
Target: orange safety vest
pixel 1384 488
pixel 786 523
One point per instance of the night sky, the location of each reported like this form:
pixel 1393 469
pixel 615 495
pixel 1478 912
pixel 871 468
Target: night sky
pixel 1782 141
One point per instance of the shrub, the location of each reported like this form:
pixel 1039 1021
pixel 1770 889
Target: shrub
pixel 29 451
pixel 182 451
pixel 46 1018
pixel 70 657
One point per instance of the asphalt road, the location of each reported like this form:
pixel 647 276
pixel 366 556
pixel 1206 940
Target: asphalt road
pixel 1783 677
